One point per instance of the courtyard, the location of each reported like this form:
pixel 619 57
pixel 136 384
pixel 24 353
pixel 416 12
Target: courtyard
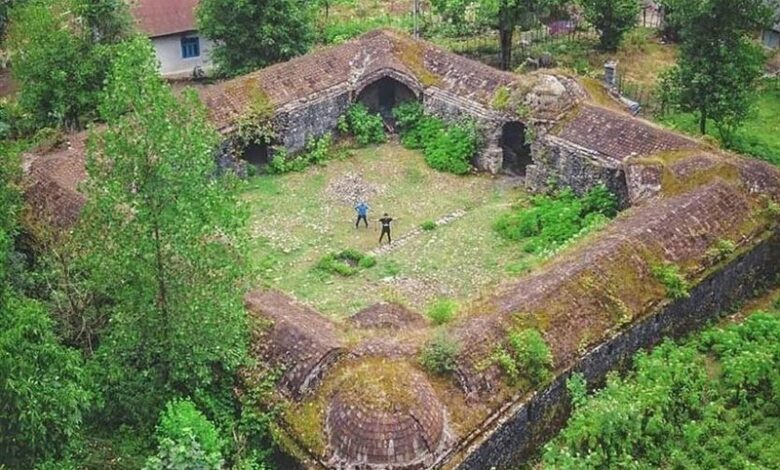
pixel 298 218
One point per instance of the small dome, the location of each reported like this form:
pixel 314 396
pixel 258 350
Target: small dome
pixel 384 414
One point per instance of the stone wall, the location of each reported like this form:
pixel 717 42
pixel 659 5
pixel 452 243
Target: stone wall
pixel 558 163
pixel 516 433
pixel 307 120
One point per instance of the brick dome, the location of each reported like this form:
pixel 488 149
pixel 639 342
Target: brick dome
pixel 386 416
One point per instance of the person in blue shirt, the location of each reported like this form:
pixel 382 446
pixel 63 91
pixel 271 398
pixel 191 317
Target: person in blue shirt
pixel 362 213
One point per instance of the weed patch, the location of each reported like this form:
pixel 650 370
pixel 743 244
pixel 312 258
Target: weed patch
pixel 346 263
pixel 367 128
pixel 442 311
pixel 438 354
pixel 669 275
pixel 525 355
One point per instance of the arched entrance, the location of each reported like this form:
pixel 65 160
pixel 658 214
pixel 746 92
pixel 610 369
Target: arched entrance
pixel 385 94
pixel 517 152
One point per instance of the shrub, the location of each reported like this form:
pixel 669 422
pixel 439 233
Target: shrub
pixel 318 150
pixel 527 354
pixel 669 275
pixel 346 263
pixel 551 221
pixel 366 127
pixel 442 311
pixel 438 355
pixel 721 250
pixel 186 439
pixel 428 225
pixel 446 147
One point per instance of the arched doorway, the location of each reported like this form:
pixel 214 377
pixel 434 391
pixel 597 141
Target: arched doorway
pixel 385 94
pixel 517 152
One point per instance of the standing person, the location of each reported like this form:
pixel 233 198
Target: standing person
pixel 362 213
pixel 385 221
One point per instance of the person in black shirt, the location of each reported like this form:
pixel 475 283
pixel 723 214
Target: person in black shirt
pixel 385 221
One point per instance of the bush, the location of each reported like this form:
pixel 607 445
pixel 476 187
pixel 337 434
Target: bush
pixel 442 311
pixel 186 439
pixel 346 263
pixel 446 147
pixel 708 403
pixel 428 225
pixel 669 275
pixel 721 250
pixel 318 150
pixel 438 355
pixel 551 221
pixel 527 354
pixel 366 127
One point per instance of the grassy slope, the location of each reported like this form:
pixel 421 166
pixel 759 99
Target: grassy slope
pixel 760 135
pixel 295 222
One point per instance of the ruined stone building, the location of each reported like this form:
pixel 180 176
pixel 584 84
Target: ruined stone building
pixel 355 395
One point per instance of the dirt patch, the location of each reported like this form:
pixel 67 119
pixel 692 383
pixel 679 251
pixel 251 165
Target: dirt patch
pixel 387 316
pixel 418 290
pixel 351 189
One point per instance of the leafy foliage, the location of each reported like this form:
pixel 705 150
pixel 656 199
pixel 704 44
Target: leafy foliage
pixel 366 127
pixel 719 64
pixel 670 276
pixel 553 220
pixel 526 354
pixel 709 403
pixel 186 439
pixel 60 65
pixel 613 19
pixel 442 311
pixel 317 152
pixel 42 386
pixel 446 147
pixel 438 355
pixel 161 241
pixel 346 263
pixel 428 225
pixel 249 35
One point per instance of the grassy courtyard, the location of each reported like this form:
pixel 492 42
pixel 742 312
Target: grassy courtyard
pixel 299 218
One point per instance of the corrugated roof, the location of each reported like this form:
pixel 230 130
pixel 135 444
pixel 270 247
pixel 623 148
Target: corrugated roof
pixel 163 17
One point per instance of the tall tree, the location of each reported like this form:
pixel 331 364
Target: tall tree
pixel 61 51
pixel 502 15
pixel 613 18
pixel 162 240
pixel 719 63
pixel 252 34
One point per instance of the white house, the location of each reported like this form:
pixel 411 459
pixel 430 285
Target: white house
pixel 171 26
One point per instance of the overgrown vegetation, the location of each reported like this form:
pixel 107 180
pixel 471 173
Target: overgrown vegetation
pixel 526 355
pixel 428 225
pixel 186 439
pixel 711 402
pixel 346 263
pixel 673 280
pixel 367 128
pixel 442 311
pixel 446 147
pixel 439 354
pixel 251 35
pixel 317 152
pixel 551 221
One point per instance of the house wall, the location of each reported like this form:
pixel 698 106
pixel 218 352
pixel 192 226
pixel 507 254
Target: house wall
pixel 315 118
pixel 531 422
pixel 771 38
pixel 172 64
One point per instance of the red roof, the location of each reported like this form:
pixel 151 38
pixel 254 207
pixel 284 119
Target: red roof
pixel 163 17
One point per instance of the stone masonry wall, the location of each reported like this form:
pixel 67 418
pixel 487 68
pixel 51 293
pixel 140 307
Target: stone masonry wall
pixel 518 432
pixel 558 163
pixel 313 119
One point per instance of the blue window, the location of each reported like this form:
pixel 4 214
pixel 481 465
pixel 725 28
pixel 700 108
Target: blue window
pixel 190 47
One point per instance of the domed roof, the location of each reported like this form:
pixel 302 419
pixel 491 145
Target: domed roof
pixel 385 415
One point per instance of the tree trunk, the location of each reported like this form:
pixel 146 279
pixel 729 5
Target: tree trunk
pixel 506 47
pixel 703 122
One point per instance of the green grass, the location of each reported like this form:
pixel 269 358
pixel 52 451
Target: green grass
pixel 758 137
pixel 296 221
